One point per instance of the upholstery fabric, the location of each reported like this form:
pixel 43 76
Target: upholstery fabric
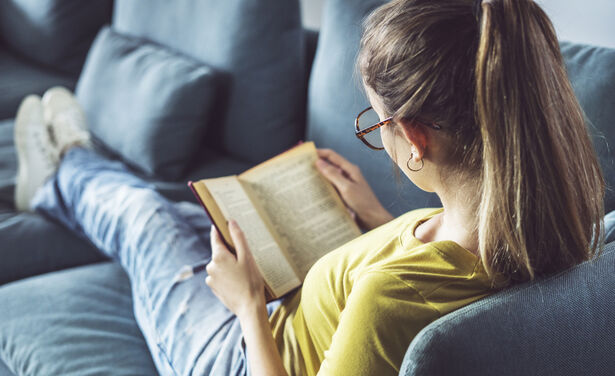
pixel 259 44
pixel 336 97
pixel 19 77
pixel 559 326
pixel 30 244
pixel 33 245
pixel 146 103
pixel 8 163
pixel 592 73
pixel 74 322
pixel 55 33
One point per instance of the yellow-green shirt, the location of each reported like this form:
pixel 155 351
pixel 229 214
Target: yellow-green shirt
pixel 362 304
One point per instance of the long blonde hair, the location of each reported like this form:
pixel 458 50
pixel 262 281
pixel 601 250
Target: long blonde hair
pixel 497 83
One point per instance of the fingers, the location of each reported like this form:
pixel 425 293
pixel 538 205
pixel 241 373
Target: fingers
pixel 334 175
pixel 353 171
pixel 219 252
pixel 239 240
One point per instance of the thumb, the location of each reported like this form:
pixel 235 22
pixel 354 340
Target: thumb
pixel 332 173
pixel 239 239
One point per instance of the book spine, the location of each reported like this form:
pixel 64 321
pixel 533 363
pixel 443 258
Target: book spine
pixel 211 219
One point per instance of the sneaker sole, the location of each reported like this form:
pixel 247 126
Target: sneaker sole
pixel 26 116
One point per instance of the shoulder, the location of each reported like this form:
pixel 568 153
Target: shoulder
pixel 374 284
pixel 416 215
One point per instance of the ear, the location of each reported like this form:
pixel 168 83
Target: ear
pixel 416 135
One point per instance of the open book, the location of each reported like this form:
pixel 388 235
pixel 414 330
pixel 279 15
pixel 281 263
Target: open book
pixel 290 215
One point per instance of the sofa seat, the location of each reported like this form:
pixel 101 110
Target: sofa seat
pixel 73 322
pixel 19 77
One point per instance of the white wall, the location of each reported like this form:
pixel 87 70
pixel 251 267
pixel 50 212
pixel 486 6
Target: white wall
pixel 311 10
pixel 586 21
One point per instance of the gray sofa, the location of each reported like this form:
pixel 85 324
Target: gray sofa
pixel 276 83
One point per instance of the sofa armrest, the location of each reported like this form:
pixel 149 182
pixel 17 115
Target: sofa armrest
pixel 561 325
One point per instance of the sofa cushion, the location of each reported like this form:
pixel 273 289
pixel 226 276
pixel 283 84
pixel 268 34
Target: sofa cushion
pixel 559 326
pixel 19 77
pixel 592 73
pixel 73 322
pixel 8 163
pixel 258 43
pixel 56 33
pixel 336 97
pixel 146 103
pixel 33 245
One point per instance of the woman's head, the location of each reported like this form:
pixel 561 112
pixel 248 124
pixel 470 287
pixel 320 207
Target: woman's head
pixel 495 82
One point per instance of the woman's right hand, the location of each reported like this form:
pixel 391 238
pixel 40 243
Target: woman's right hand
pixel 354 189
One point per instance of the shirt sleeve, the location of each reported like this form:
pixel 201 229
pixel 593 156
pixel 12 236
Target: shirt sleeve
pixel 381 317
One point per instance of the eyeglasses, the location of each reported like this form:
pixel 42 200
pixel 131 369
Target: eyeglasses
pixel 368 121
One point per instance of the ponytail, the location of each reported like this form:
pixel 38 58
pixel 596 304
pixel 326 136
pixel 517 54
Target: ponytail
pixel 497 85
pixel 542 188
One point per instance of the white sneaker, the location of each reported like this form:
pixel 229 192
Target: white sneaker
pixel 37 155
pixel 66 118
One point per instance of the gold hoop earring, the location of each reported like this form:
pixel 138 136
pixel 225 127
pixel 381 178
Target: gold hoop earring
pixel 412 169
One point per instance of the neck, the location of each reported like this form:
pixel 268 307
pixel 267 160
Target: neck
pixel 458 221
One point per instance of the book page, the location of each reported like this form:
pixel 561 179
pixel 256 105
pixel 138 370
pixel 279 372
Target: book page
pixel 303 207
pixel 235 204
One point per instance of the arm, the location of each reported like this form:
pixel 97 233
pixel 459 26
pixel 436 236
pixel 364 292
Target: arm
pixel 237 282
pixel 263 355
pixel 354 189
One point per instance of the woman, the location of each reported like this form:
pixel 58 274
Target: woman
pixel 474 105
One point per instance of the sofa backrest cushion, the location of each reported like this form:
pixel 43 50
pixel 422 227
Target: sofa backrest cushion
pixel 559 326
pixel 55 33
pixel 592 73
pixel 145 103
pixel 335 97
pixel 258 43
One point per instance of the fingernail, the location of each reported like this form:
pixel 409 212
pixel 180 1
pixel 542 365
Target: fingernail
pixel 321 162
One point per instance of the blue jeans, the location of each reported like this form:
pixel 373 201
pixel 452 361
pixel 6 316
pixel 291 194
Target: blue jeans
pixel 163 247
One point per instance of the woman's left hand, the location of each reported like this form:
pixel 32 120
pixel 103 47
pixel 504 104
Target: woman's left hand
pixel 235 280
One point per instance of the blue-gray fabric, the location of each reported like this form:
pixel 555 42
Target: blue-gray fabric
pixel 54 33
pixel 559 326
pixel 33 245
pixel 19 77
pixel 259 44
pixel 8 164
pixel 74 322
pixel 335 98
pixel 592 74
pixel 146 103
